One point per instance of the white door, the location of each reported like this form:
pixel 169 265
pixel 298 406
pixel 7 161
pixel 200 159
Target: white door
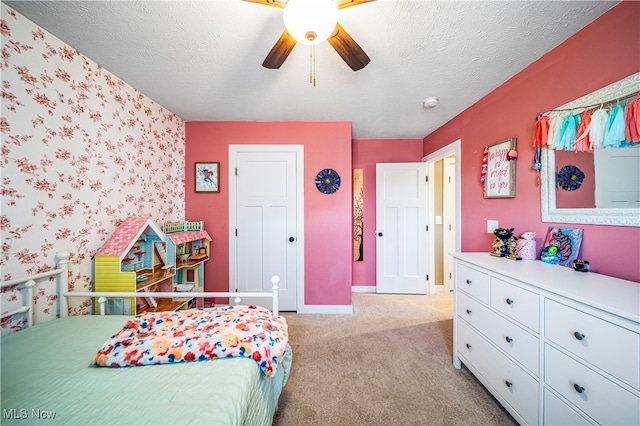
pixel 617 177
pixel 449 223
pixel 265 230
pixel 401 228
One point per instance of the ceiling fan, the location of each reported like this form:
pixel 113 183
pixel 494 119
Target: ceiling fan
pixel 337 36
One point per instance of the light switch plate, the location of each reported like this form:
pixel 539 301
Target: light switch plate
pixel 492 225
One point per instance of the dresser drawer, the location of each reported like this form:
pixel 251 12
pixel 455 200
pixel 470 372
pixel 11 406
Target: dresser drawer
pixel 557 413
pixel 516 302
pixel 609 347
pixel 511 382
pixel 593 394
pixel 514 340
pixel 472 282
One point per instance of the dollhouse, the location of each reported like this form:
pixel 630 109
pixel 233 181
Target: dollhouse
pixel 192 244
pixel 140 257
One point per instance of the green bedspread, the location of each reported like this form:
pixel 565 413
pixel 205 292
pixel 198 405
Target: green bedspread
pixel 47 379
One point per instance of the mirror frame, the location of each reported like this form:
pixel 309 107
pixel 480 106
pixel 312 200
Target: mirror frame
pixel 594 216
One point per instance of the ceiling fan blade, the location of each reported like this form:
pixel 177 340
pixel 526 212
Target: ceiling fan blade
pixel 341 4
pixel 275 3
pixel 348 49
pixel 279 51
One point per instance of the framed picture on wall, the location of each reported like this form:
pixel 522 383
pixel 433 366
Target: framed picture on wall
pixel 500 180
pixel 207 177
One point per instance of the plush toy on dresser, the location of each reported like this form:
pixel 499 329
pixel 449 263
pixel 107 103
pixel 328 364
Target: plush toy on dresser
pixel 503 242
pixel 527 246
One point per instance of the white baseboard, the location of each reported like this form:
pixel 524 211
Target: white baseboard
pixel 363 289
pixel 326 309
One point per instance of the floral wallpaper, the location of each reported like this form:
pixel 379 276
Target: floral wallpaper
pixel 81 151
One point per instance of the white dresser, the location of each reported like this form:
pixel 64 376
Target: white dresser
pixel 553 345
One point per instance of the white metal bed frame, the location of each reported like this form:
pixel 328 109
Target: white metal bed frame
pixel 61 274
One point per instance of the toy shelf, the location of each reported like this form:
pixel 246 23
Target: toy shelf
pixel 151 278
pixel 166 305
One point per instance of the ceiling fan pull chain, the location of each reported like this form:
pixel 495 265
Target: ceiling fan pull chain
pixel 312 64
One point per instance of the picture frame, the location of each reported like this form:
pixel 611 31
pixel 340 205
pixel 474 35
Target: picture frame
pixel 561 246
pixel 500 180
pixel 207 177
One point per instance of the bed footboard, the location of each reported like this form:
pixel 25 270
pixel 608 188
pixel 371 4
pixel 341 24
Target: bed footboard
pixel 235 296
pixel 61 276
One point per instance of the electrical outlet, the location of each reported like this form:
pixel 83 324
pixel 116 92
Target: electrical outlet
pixel 492 225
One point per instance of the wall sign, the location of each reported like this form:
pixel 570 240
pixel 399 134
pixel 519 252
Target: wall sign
pixel 500 180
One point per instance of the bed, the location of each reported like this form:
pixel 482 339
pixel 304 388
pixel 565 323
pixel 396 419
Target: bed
pixel 48 376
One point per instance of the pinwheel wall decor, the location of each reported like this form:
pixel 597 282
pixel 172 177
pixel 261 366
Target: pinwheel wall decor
pixel 327 181
pixel 570 178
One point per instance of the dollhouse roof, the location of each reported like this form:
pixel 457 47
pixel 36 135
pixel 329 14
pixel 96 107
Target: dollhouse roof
pixel 126 235
pixel 185 237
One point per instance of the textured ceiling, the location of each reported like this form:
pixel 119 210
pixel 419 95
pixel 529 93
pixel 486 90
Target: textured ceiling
pixel 202 60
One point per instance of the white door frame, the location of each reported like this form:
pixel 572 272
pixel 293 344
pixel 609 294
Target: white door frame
pixel 448 246
pixel 452 148
pixel 299 150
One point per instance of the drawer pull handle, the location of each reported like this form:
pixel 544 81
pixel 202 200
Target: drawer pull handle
pixel 509 301
pixel 469 282
pixel 468 346
pixel 508 383
pixel 469 311
pixel 578 388
pixel 508 339
pixel 578 335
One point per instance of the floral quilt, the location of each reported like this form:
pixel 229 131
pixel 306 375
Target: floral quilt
pixel 198 335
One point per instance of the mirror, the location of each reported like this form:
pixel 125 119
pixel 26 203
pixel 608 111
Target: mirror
pixel 590 204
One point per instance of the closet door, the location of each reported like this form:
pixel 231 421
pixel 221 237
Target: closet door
pixel 401 228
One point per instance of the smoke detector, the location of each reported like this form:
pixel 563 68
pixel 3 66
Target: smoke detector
pixel 430 102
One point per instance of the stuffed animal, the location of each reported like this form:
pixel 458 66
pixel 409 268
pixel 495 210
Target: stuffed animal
pixel 527 246
pixel 502 242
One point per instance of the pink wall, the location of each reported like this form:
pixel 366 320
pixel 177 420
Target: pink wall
pixel 366 153
pixel 327 218
pixel 601 53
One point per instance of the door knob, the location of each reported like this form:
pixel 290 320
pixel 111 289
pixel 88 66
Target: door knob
pixel 291 239
pixel 379 234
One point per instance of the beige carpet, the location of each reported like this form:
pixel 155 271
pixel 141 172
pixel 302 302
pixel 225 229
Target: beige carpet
pixel 390 363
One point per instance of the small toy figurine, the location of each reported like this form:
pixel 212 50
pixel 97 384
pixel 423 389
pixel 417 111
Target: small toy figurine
pixel 501 243
pixel 581 265
pixel 513 249
pixel 550 254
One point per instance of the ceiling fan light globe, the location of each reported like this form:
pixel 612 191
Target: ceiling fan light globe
pixel 304 17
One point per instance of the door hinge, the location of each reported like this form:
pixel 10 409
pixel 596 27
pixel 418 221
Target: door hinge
pixel 427 277
pixel 427 228
pixel 426 178
pixel 449 275
pixel 449 227
pixel 236 232
pixel 449 179
pixel 236 171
